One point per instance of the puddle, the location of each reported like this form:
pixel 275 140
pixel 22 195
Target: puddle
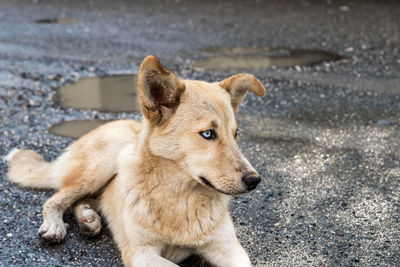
pixel 75 129
pixel 56 21
pixel 262 57
pixel 108 94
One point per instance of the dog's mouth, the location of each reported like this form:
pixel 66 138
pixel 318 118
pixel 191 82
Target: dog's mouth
pixel 208 183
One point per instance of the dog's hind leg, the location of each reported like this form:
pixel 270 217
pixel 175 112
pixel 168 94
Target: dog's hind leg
pixel 67 173
pixel 85 211
pixel 53 228
pixel 80 178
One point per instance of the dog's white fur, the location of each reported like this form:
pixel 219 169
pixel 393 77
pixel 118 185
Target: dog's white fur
pixel 162 186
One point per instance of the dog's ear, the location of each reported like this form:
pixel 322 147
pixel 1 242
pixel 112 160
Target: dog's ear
pixel 238 85
pixel 159 90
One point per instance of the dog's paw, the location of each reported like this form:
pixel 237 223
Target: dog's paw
pixel 90 223
pixel 53 231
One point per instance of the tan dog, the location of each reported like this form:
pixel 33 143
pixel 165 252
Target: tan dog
pixel 163 185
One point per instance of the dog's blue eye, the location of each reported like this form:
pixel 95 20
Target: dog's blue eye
pixel 209 134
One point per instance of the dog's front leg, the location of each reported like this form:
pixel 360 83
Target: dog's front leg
pixel 224 249
pixel 149 256
pixel 226 254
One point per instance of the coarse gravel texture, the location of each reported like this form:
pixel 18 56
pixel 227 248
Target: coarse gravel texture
pixel 326 138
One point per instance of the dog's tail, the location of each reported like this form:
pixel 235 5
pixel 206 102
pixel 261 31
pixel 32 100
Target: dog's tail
pixel 29 169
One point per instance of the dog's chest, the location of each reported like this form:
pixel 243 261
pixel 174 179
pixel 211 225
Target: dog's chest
pixel 185 220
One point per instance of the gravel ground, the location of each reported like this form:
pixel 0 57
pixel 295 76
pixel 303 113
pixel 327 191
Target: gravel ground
pixel 326 138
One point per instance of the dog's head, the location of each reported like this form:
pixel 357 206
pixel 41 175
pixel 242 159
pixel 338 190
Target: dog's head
pixel 192 123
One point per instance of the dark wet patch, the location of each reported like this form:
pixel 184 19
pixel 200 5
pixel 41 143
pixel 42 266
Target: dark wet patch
pixel 264 129
pixel 195 261
pixel 56 21
pixel 108 94
pixel 227 58
pixel 76 128
pixel 263 138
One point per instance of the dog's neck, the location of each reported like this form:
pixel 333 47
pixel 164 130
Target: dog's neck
pixel 167 201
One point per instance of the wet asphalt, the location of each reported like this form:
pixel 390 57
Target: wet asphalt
pixel 326 138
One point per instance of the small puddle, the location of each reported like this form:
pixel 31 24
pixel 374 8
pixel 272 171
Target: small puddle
pixel 56 21
pixel 108 94
pixel 262 57
pixel 75 129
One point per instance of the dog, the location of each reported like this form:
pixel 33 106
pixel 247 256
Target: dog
pixel 163 185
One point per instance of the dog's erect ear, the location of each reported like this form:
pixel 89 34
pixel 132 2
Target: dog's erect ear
pixel 159 90
pixel 238 85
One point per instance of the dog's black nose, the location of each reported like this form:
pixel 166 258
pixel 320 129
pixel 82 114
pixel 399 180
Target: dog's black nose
pixel 251 181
